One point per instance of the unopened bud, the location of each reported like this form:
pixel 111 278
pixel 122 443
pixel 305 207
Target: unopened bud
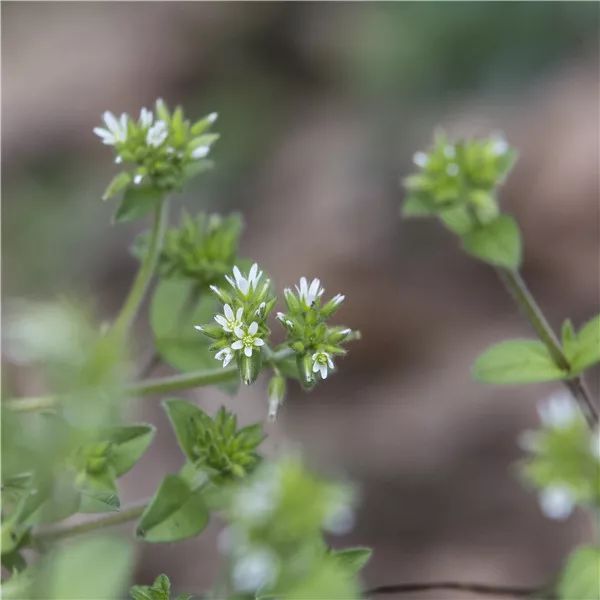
pixel 276 395
pixel 249 366
pixel 305 370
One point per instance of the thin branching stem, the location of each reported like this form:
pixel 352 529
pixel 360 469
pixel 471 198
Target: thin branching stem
pixel 144 275
pixel 65 530
pixel 523 297
pixel 467 587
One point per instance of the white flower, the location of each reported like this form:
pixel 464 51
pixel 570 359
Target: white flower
pixel 420 159
pixel 500 146
pixel 254 569
pixel 200 152
pixel 321 362
pixel 338 299
pixel 558 410
pixel 225 355
pixel 212 117
pixel 138 179
pixel 157 134
pixel 247 340
pixel 244 284
pixel 230 321
pixel 116 129
pixel 309 292
pixel 557 502
pixel 146 118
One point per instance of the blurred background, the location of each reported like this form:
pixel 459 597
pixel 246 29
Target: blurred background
pixel 321 107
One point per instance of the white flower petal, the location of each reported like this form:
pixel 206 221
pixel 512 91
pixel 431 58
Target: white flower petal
pixel 220 319
pixel 253 328
pixel 259 342
pixel 248 351
pixel 228 311
pixel 239 313
pixel 237 345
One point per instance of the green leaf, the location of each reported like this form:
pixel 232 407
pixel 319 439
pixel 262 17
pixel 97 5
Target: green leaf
pixel 99 501
pixel 184 418
pixel 497 243
pixel 580 578
pixel 118 184
pixel 137 202
pixel 159 590
pixel 353 559
pixel 129 444
pixel 175 513
pixel 176 340
pixel 517 361
pixel 90 569
pixel 414 206
pixel 584 351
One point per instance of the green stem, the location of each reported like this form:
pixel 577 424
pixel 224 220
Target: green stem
pixel 142 280
pixel 57 532
pixel 147 387
pixel 523 297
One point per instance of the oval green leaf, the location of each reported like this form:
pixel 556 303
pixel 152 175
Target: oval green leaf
pixel 517 361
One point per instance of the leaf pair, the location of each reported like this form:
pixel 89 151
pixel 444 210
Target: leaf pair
pixel 528 361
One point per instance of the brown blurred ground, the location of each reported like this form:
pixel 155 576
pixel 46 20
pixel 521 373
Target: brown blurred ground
pixel 321 107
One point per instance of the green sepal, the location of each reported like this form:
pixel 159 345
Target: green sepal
pixel 128 444
pixel 353 559
pixel 249 366
pixel 118 184
pixel 305 366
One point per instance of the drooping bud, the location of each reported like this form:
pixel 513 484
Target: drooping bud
pixel 276 395
pixel 305 370
pixel 249 366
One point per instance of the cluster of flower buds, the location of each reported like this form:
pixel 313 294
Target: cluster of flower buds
pixel 314 342
pixel 202 249
pixel 241 329
pixel 163 148
pixel 458 181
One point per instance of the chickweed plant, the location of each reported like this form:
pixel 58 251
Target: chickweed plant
pixel 211 315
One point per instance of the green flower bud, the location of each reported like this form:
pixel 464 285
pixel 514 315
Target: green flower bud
pixel 249 366
pixel 305 370
pixel 276 395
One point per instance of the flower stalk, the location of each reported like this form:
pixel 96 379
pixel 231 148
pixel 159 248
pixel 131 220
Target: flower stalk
pixel 144 275
pixel 518 289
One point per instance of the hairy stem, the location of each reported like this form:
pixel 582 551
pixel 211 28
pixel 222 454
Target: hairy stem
pixel 471 588
pixel 523 297
pixel 57 532
pixel 148 387
pixel 141 282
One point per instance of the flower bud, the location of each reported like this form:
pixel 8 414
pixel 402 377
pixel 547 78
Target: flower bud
pixel 276 395
pixel 330 307
pixel 305 370
pixel 249 366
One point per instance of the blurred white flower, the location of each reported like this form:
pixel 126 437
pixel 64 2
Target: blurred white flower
pixel 321 363
pixel 254 569
pixel 559 410
pixel 146 117
pixel 115 131
pixel 557 502
pixel 157 134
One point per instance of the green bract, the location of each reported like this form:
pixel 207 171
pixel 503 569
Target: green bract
pixel 162 149
pixel 215 445
pixel 274 540
pixel 159 590
pixel 564 459
pixel 458 181
pixel 202 249
pixel 314 342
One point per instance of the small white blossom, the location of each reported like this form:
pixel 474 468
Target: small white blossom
pixel 449 151
pixel 212 117
pixel 157 134
pixel 309 292
pixel 218 292
pixel 557 502
pixel 420 159
pixel 247 340
pixel 558 410
pixel 225 355
pixel 118 160
pixel 254 569
pixel 338 299
pixel 230 321
pixel 200 152
pixel 244 284
pixel 321 363
pixel 500 146
pixel 138 179
pixel 146 118
pixel 115 131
